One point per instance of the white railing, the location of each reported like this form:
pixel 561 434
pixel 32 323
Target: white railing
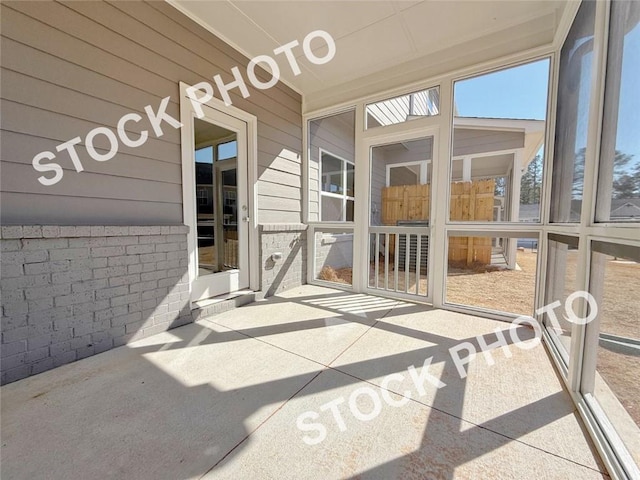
pixel 404 263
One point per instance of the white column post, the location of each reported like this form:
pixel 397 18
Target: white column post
pixel 466 169
pixel 514 207
pixel 361 207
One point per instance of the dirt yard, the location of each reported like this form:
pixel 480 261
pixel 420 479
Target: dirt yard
pixel 620 315
pixel 503 289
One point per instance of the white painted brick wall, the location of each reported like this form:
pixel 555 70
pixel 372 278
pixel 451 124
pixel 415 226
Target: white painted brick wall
pixel 291 270
pixel 68 292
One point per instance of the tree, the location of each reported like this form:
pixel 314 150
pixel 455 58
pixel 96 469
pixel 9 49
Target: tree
pixel 501 187
pixel 626 186
pixel 619 161
pixel 531 182
pixel 636 180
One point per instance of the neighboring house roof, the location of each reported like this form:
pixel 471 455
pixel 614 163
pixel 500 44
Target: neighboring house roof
pixel 619 202
pixel 620 208
pixel 630 208
pixel 533 131
pixel 404 108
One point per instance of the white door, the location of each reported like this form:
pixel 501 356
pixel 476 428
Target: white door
pixel 399 223
pixel 215 172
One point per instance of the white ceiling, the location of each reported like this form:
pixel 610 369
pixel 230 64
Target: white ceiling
pixel 209 132
pixel 378 40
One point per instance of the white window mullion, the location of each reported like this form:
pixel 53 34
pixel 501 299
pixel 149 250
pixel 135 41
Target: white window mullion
pixel 582 358
pixel 344 190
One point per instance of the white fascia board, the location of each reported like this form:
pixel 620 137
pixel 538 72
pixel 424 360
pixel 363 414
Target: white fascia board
pixel 507 124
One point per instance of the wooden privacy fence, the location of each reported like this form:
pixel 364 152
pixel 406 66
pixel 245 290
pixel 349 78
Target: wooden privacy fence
pixel 470 201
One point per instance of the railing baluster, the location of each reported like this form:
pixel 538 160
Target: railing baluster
pixel 418 252
pixel 386 261
pixel 386 240
pixel 377 259
pixel 407 256
pixel 396 252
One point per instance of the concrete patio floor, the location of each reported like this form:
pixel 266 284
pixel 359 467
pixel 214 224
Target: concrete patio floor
pixel 221 399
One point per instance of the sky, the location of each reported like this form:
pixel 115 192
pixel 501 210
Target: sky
pixel 225 151
pixel 519 92
pixel 628 134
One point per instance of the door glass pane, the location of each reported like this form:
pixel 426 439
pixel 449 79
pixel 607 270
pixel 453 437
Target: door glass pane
pixel 216 198
pixel 619 174
pixel 230 218
pixel 387 196
pixel 562 264
pixel 498 145
pixel 403 175
pixel 572 117
pixel 614 283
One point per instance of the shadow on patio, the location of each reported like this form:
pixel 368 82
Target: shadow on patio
pixel 221 399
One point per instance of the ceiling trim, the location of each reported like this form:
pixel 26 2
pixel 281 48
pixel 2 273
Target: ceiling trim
pixel 226 40
pixel 351 93
pixel 564 25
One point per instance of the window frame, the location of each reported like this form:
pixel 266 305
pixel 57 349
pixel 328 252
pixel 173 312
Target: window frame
pixel 344 197
pixel 423 176
pixel 610 101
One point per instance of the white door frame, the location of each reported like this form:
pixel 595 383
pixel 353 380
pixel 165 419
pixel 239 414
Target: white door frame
pixel 189 209
pixel 363 208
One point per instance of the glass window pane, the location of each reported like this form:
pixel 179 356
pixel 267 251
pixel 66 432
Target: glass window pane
pixel 498 144
pixel 404 108
pixel 619 174
pixel 495 273
pixel 331 146
pixel 350 179
pixel 332 174
pixel 204 155
pixel 572 117
pixel 227 150
pixel 332 209
pixel 615 281
pixel 404 175
pixel 349 213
